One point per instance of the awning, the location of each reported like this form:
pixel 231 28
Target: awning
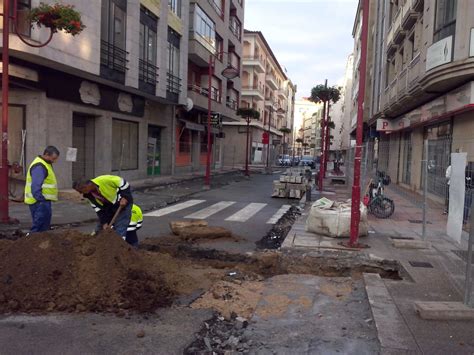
pixel 193 126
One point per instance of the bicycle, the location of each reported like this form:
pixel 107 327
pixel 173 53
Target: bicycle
pixel 377 203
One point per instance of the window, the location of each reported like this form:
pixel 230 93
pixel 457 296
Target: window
pixel 113 35
pixel 219 47
pixel 148 47
pixel 445 20
pixel 23 23
pixel 175 7
pixel 125 147
pixel 218 6
pixel 412 47
pixel 235 26
pixel 204 29
pixel 173 84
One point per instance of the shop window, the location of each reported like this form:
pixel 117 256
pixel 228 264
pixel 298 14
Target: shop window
pixel 125 145
pixel 23 23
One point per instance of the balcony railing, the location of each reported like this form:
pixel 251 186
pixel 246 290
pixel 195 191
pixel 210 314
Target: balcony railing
pixel 232 104
pixel 253 87
pixel 113 57
pixel 173 83
pixel 147 72
pixel 215 93
pixel 216 7
pixel 235 27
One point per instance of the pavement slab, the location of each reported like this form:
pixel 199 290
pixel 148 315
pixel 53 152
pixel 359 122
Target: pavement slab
pixel 304 314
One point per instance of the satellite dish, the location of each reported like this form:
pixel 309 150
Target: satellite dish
pixel 189 104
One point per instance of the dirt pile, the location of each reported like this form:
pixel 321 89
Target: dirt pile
pixel 77 272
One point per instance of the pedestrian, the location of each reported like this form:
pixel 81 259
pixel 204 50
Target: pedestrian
pixel 106 193
pixel 448 182
pixel 135 224
pixel 41 189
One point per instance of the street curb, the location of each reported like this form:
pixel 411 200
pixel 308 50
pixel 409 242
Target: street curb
pixel 410 244
pixel 392 331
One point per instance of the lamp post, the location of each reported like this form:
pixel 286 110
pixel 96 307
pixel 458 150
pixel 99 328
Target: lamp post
pixel 229 73
pixel 4 196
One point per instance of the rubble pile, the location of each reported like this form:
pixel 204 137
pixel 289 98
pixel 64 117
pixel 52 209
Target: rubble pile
pixel 73 272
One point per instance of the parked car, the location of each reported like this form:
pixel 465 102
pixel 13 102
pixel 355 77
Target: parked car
pixel 284 160
pixel 307 160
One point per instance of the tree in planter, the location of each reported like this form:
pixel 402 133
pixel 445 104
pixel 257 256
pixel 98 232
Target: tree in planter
pixel 248 114
pixel 300 141
pixel 326 95
pixel 285 131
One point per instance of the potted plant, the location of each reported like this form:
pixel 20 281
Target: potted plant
pixel 57 17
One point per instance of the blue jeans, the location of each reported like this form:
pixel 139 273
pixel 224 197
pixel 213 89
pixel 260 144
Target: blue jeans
pixel 41 215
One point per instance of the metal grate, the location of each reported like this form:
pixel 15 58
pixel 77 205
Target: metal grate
pixel 463 255
pixel 113 57
pixel 147 72
pixel 173 84
pixel 423 264
pixel 418 221
pixel 403 238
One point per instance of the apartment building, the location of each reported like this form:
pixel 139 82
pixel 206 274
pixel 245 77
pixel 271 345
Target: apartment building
pixel 308 116
pixel 110 92
pixel 340 114
pixel 215 39
pixel 422 74
pixel 267 89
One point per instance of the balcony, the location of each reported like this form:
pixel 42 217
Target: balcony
pixel 254 91
pixel 173 87
pixel 283 93
pixel 215 92
pixel 217 7
pixel 409 15
pixel 255 62
pixel 113 62
pixel 355 89
pixel 270 104
pixel 418 5
pixel 271 81
pixel 147 76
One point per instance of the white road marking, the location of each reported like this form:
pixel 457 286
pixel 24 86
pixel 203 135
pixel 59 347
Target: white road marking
pixel 245 213
pixel 209 211
pixel 174 208
pixel 276 217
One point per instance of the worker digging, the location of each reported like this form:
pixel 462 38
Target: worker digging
pixel 111 198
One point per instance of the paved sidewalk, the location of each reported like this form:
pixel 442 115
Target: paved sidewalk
pixel 434 274
pixel 149 194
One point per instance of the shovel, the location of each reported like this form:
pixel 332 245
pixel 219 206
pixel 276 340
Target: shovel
pixel 112 221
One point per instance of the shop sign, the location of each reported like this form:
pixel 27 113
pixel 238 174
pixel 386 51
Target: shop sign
pixel 439 53
pixel 385 125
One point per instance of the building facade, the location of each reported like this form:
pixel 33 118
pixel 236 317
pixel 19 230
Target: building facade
pixel 110 92
pixel 421 88
pixel 267 89
pixel 308 116
pixel 215 39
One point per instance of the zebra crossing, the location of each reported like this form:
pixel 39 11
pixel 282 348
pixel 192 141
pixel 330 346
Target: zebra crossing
pixel 242 215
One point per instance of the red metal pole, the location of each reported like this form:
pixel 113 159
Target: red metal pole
pixel 321 156
pixel 355 208
pixel 247 149
pixel 326 150
pixel 4 215
pixel 207 181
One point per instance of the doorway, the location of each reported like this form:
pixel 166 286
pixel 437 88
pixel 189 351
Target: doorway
pixel 83 138
pixel 154 151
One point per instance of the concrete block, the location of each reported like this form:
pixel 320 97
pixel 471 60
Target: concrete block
pixel 444 311
pixel 410 244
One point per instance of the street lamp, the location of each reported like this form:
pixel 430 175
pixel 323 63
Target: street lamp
pixel 279 110
pixel 229 73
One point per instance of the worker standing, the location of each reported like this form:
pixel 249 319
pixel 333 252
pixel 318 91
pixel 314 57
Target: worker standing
pixel 135 224
pixel 41 189
pixel 106 193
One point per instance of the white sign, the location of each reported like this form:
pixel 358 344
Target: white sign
pixel 471 47
pixel 457 191
pixel 71 154
pixel 439 53
pixel 385 125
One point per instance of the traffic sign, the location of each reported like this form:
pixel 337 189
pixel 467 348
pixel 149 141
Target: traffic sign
pixel 216 119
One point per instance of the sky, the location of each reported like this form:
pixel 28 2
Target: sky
pixel 310 38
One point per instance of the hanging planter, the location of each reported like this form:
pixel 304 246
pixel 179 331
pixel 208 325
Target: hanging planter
pixel 57 17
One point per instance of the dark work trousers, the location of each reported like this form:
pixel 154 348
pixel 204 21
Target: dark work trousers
pixel 132 238
pixel 467 205
pixel 41 215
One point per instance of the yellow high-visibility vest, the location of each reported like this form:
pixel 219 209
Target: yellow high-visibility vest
pixel 49 189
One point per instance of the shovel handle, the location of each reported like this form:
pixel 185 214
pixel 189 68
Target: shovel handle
pixel 115 216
